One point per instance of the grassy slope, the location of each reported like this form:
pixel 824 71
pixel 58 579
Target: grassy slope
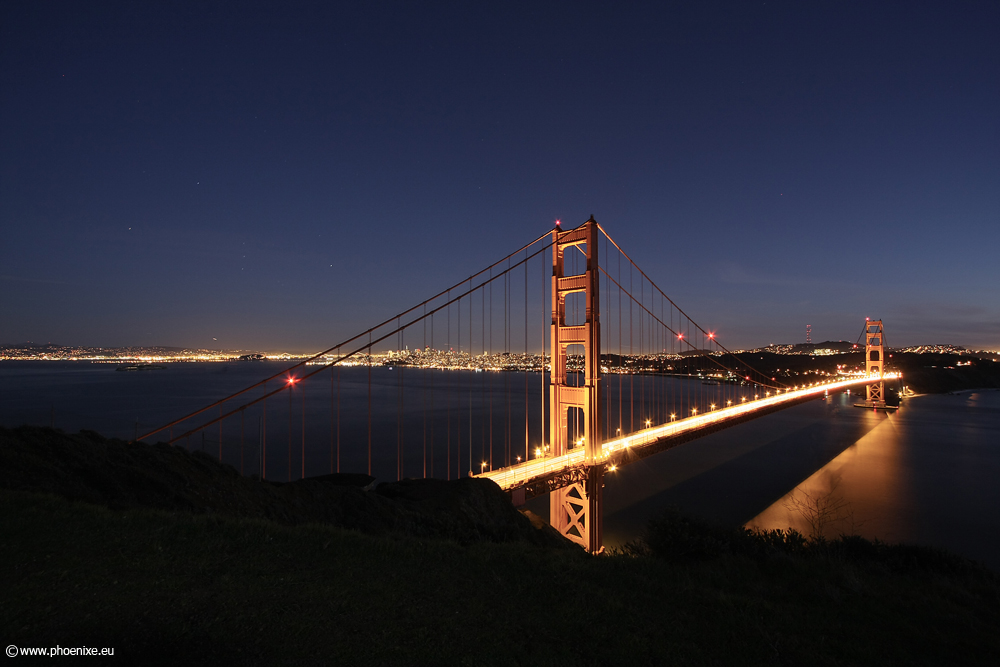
pixel 164 588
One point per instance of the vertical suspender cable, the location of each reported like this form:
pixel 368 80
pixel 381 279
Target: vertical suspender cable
pixel 472 376
pixel 423 389
pixel 492 361
pixel 302 397
pixel 399 410
pixel 369 404
pixel 333 409
pixel 525 355
pixel 621 366
pixel 447 400
pixel 458 390
pixel 263 438
pixel 506 350
pixel 541 373
pixel 482 395
pixel 434 351
pixel 338 410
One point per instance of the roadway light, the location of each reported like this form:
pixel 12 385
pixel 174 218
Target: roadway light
pixel 612 468
pixel 743 398
pixel 729 402
pixel 648 422
pixel 694 411
pixel 672 416
pixel 538 451
pixel 712 406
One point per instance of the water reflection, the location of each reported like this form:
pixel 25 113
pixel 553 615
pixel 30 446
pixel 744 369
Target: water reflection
pixel 925 475
pixel 859 492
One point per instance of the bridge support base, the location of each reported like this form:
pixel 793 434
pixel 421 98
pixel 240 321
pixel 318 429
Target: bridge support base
pixel 576 512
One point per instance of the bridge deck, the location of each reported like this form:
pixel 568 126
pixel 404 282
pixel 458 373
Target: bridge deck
pixel 544 474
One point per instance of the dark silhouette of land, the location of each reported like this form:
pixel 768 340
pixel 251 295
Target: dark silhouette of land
pixel 170 557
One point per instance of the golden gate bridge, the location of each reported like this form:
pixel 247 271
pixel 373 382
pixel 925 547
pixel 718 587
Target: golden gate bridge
pixel 620 370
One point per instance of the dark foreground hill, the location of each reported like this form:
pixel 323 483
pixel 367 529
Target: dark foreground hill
pixel 206 580
pixel 113 473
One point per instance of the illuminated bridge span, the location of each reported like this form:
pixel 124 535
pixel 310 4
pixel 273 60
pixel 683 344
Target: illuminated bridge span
pixel 547 473
pixel 572 363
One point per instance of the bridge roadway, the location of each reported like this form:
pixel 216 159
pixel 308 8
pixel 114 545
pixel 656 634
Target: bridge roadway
pixel 547 473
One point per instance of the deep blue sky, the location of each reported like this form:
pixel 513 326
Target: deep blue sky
pixel 172 173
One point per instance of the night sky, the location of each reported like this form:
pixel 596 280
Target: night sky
pixel 282 175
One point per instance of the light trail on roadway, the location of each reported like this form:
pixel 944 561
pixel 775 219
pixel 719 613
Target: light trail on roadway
pixel 520 474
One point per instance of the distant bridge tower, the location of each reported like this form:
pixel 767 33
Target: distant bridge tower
pixel 809 334
pixel 875 362
pixel 575 510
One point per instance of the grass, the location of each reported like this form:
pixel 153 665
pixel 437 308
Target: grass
pixel 169 588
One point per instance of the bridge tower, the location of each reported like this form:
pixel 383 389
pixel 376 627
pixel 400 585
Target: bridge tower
pixel 575 511
pixel 875 362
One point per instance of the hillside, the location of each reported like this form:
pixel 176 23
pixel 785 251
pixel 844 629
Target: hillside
pixel 171 558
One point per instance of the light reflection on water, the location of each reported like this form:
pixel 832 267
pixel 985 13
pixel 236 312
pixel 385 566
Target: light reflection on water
pixel 925 474
pixel 854 493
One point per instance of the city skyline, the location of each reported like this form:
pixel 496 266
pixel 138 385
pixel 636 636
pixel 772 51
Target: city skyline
pixel 243 178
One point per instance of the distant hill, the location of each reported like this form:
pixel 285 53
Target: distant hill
pixel 826 347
